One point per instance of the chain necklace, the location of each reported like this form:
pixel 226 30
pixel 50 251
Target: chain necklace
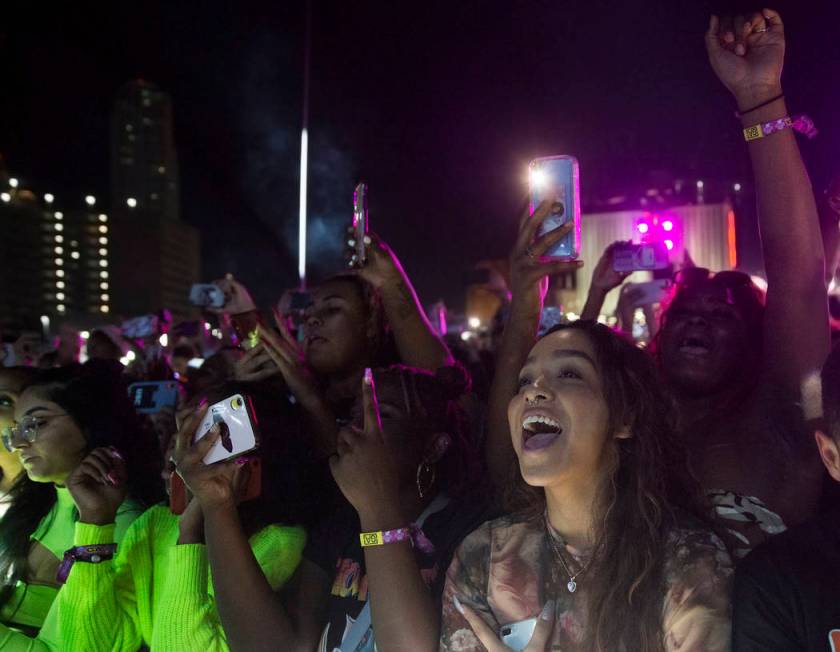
pixel 555 547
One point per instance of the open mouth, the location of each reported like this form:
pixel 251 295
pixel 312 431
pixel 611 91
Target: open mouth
pixel 539 431
pixel 695 345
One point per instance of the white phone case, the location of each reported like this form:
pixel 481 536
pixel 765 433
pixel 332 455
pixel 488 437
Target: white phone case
pixel 517 635
pixel 238 433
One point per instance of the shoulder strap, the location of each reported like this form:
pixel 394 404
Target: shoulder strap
pixel 357 631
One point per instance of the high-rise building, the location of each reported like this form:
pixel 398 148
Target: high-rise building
pixel 53 262
pixel 144 164
pixel 156 256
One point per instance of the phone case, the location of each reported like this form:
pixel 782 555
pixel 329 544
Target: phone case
pixel 145 326
pixel 558 178
pixel 152 397
pixel 239 433
pixel 360 222
pixel 517 635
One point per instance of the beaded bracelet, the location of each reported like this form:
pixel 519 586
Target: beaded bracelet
pixel 801 123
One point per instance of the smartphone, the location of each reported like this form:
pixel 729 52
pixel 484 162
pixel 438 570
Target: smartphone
pixel 360 224
pixel 517 635
pixel 557 178
pixel 630 257
pixel 235 416
pixel 646 294
pixel 140 327
pixel 152 397
pixel 207 295
pixel 550 317
pixel 178 490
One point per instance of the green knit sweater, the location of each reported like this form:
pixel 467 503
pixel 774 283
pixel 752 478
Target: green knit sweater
pixel 154 592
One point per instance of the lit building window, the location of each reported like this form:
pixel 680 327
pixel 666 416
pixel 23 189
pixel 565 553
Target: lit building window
pixel 128 127
pixel 162 169
pixel 103 286
pixel 103 252
pixel 103 263
pixel 59 262
pixel 13 182
pixel 103 217
pixel 59 296
pixel 6 197
pixel 59 227
pixel 49 198
pixel 58 215
pixel 59 250
pixel 103 309
pixel 154 195
pixel 104 297
pixel 90 200
pixel 103 229
pixel 103 240
pixel 59 285
pixel 59 238
pixel 59 273
pixel 74 255
pixel 103 274
pixel 60 307
pixel 131 202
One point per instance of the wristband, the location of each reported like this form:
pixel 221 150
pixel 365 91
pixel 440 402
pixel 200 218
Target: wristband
pixel 801 123
pixel 411 533
pixel 92 554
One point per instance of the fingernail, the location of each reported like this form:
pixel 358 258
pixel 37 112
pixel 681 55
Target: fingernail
pixel 112 479
pixel 116 453
pixel 458 604
pixel 368 376
pixel 202 402
pixel 547 611
pixel 242 461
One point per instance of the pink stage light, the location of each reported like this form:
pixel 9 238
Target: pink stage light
pixel 669 245
pixel 643 227
pixel 668 225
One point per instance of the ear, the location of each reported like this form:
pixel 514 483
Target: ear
pixel 438 444
pixel 829 452
pixel 623 433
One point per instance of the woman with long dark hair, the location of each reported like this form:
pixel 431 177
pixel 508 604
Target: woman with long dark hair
pixel 601 551
pixel 74 428
pixel 12 379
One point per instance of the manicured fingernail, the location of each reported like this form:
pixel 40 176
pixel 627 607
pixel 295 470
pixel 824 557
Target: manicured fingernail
pixel 115 453
pixel 202 402
pixel 112 479
pixel 458 604
pixel 242 461
pixel 547 611
pixel 368 376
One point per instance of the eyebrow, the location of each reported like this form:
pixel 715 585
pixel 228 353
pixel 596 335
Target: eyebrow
pixel 35 409
pixel 333 296
pixel 566 353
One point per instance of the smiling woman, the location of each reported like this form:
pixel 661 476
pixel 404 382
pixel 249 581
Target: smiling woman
pixel 598 467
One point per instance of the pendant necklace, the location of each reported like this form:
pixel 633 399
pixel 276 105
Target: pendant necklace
pixel 555 547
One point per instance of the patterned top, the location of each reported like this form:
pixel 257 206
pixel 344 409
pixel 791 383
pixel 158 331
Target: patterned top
pixel 505 570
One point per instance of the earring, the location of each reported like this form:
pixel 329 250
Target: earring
pixel 424 468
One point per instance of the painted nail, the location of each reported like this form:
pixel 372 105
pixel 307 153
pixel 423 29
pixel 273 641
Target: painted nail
pixel 116 453
pixel 547 612
pixel 368 376
pixel 458 604
pixel 242 461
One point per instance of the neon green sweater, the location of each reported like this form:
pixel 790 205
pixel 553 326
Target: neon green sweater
pixel 155 592
pixel 29 604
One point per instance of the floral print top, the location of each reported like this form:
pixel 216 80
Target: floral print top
pixel 506 571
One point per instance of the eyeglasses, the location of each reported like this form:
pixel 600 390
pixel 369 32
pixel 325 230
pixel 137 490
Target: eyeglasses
pixel 27 430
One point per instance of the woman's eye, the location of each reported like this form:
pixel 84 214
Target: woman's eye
pixel 569 374
pixel 6 402
pixel 524 381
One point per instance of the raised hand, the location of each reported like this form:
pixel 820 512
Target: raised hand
pixel 99 486
pixel 529 270
pixel 539 639
pixel 604 277
pixel 237 298
pixel 211 485
pixel 382 266
pixel 288 358
pixel 747 55
pixel 363 466
pixel 255 365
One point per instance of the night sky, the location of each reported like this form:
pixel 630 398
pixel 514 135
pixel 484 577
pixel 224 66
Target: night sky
pixel 438 105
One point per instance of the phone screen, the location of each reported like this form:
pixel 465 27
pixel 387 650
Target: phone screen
pixel 360 222
pixel 557 178
pixel 238 431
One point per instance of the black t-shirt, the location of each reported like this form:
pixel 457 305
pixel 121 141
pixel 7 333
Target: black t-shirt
pixel 335 548
pixel 787 591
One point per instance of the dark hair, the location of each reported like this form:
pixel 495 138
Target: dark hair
pixel 183 351
pixel 638 507
pixel 96 398
pixel 831 393
pixel 432 402
pixel 17 378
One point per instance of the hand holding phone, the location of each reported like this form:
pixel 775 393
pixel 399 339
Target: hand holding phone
pixel 207 295
pixel 648 256
pixel 237 434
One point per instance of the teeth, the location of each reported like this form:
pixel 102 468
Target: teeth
pixel 527 422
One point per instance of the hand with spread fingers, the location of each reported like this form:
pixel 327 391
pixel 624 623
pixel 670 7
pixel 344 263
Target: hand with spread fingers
pixel 237 298
pixel 540 639
pixel 363 467
pixel 255 365
pixel 529 268
pixel 99 486
pixel 211 485
pixel 288 358
pixel 747 54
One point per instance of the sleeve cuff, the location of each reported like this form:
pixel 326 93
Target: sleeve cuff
pixel 87 534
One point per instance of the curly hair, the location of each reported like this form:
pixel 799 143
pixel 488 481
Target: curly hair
pixel 648 490
pixel 96 398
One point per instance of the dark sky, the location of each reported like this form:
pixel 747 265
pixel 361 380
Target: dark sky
pixel 438 105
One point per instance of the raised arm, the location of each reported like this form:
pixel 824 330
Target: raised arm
pixel 417 342
pixel 529 274
pixel 747 55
